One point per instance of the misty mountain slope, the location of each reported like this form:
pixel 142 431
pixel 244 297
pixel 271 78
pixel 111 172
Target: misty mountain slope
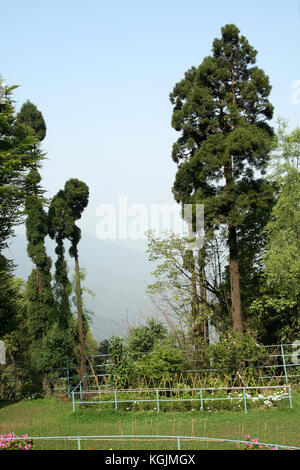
pixel 118 275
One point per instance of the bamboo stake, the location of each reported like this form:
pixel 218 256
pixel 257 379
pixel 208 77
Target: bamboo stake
pixel 265 429
pixel 193 433
pixel 283 433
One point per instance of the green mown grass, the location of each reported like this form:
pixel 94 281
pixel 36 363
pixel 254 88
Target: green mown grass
pixel 51 417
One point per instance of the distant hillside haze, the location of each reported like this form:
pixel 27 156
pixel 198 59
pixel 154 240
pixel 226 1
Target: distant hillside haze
pixel 118 273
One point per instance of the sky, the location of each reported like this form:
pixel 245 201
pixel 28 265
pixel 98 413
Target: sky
pixel 101 73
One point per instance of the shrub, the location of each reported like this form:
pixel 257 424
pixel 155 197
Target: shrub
pixel 234 349
pixel 165 359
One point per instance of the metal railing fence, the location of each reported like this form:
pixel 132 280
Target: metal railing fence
pixel 15 375
pixel 178 439
pixel 155 397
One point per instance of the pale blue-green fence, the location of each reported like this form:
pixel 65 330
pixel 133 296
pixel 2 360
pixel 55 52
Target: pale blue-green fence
pixel 86 395
pixel 286 367
pixel 177 439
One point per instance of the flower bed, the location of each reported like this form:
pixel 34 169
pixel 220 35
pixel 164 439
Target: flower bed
pixel 186 399
pixel 12 442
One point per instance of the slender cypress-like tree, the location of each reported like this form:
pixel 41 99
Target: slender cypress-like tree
pixel 57 217
pixel 76 194
pixel 40 296
pixel 65 209
pixel 221 110
pixel 39 291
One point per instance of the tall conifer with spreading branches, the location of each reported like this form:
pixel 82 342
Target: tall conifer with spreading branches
pixel 221 110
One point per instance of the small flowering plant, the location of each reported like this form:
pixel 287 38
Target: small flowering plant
pixel 232 350
pixel 12 442
pixel 252 444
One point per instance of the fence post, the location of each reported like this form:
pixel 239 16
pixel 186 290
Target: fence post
pixel 178 442
pixel 283 362
pixel 68 377
pixel 245 400
pixel 116 402
pixel 290 397
pixel 80 390
pixel 157 400
pixel 201 399
pixel 73 401
pixel 78 442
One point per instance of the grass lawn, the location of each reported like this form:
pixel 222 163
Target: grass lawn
pixel 51 417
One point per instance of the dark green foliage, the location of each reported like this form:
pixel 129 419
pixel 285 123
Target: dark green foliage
pixel 220 109
pixel 141 339
pixel 76 195
pixel 37 230
pixel 62 286
pixel 41 307
pixel 103 348
pixel 164 360
pixel 30 116
pixel 57 219
pixel 41 312
pixel 53 347
pixel 67 207
pixel 16 338
pixel 148 351
pixel 119 368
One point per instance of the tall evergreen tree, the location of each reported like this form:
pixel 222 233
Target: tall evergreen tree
pixel 76 195
pixel 57 217
pixel 221 110
pixel 39 289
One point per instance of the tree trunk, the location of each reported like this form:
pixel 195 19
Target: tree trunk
pixel 203 298
pixel 197 327
pixel 233 257
pixel 38 280
pixel 235 281
pixel 83 371
pixel 203 306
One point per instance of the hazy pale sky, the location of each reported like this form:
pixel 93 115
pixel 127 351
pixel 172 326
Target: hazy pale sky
pixel 101 73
